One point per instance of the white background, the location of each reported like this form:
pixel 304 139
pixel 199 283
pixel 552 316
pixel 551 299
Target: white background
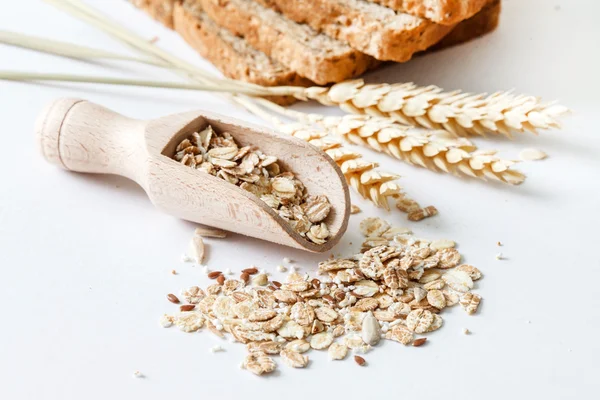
pixel 85 261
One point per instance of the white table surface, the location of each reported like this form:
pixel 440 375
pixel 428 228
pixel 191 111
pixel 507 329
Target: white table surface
pixel 86 260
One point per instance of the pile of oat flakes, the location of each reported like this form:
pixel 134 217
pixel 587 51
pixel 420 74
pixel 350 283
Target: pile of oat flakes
pixel 394 289
pixel 218 154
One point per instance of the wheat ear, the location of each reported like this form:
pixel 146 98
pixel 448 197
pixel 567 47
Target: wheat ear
pixel 430 107
pixel 435 150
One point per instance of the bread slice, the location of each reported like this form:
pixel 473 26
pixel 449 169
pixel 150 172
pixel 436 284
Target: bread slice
pixel 373 29
pixel 313 55
pixel 445 12
pixel 483 22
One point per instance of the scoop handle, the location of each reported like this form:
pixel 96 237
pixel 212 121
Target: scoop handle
pixel 81 136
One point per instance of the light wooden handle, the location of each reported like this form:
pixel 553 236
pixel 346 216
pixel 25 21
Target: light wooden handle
pixel 85 137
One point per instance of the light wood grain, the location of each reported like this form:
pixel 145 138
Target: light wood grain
pixel 84 137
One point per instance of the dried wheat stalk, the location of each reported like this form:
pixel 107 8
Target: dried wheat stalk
pixel 430 107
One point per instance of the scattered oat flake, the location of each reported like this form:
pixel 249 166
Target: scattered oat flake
pixel 436 298
pixel 473 272
pixel 532 155
pixel 209 232
pixel 337 351
pixel 458 280
pixel 400 334
pixel 466 331
pixel 294 359
pixel 137 374
pixel 259 363
pixel 354 209
pixel 189 321
pixel 470 302
pixel 407 205
pixel 321 340
pixel 373 227
pixel 499 256
pixel 419 320
pixel 442 244
pixel 422 213
pixel 298 345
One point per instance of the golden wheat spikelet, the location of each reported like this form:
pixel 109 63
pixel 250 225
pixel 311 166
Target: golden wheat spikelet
pixel 362 175
pixel 435 150
pixel 460 113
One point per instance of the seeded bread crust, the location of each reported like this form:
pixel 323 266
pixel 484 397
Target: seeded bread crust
pixel 313 55
pixel 375 30
pixel 444 12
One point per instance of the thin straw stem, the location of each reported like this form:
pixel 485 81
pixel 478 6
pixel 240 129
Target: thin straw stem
pixel 66 49
pixel 31 76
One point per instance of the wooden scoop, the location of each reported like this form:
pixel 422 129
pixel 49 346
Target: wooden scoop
pixel 81 136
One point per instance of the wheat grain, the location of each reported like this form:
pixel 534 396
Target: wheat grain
pixel 434 150
pixel 430 107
